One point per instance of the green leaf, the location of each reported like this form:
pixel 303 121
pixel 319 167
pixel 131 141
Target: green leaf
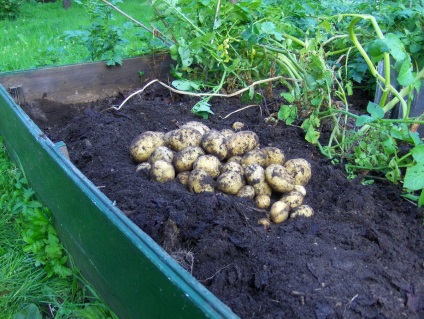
pixel 202 108
pixel 406 76
pixel 289 97
pixel 421 199
pixel 396 48
pixel 418 153
pixel 287 113
pixel 375 110
pixel 312 135
pixel 414 177
pixel 30 311
pixel 377 47
pixel 185 85
pixel 364 119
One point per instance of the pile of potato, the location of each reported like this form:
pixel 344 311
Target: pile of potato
pixel 207 160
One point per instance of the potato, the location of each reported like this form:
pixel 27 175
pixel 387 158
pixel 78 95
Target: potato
pixel 232 166
pixel 200 182
pixel 254 174
pixel 202 128
pixel 242 142
pixel 237 126
pixel 183 177
pixel 162 171
pixel 262 201
pixel 246 191
pixel 300 189
pixel 208 163
pixel 226 132
pixel 236 159
pixel 179 139
pixel 143 167
pixel 300 169
pixel 303 210
pixel 264 222
pixel 161 153
pixel 278 178
pixel 273 155
pixel 279 212
pixel 184 159
pixel 143 145
pixel 262 188
pixel 255 156
pixel 293 199
pixel 230 182
pixel 213 142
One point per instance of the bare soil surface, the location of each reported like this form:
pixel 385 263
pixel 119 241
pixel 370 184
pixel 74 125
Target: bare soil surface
pixel 360 256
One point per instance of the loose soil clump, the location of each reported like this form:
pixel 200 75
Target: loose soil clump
pixel 360 256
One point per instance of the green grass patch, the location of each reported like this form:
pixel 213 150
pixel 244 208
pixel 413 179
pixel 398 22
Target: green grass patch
pixel 37 37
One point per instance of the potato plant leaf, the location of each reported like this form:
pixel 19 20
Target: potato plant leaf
pixel 418 153
pixel 406 76
pixel 396 48
pixel 414 177
pixel 375 110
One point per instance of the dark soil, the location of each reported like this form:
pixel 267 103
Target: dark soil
pixel 360 256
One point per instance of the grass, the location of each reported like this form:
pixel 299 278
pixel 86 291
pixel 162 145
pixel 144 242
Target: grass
pixel 37 37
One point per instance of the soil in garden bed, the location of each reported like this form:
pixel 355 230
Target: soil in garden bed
pixel 360 256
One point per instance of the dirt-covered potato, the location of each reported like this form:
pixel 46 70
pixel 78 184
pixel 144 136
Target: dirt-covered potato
pixel 238 126
pixel 262 201
pixel 236 159
pixel 181 138
pixel 226 132
pixel 200 181
pixel 184 159
pixel 143 167
pixel 273 155
pixel 161 153
pixel 208 163
pixel 262 188
pixel 264 222
pixel 143 145
pixel 162 171
pixel 279 178
pixel 293 198
pixel 202 128
pixel 254 174
pixel 279 212
pixel 300 169
pixel 242 142
pixel 230 182
pixel 303 210
pixel 232 166
pixel 255 156
pixel 246 191
pixel 300 189
pixel 213 142
pixel 183 177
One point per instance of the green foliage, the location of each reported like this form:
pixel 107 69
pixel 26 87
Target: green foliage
pixel 9 9
pixel 103 39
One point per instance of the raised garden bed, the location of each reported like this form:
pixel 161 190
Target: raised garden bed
pixel 360 256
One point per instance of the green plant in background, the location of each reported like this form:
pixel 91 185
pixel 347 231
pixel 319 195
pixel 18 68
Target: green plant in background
pixel 35 282
pixel 9 9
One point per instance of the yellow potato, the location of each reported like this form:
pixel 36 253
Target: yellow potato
pixel 208 163
pixel 255 156
pixel 143 145
pixel 238 126
pixel 236 159
pixel 184 159
pixel 254 174
pixel 202 128
pixel 303 210
pixel 246 191
pixel 279 212
pixel 183 177
pixel 300 189
pixel 264 222
pixel 230 182
pixel 278 178
pixel 273 155
pixel 213 142
pixel 226 132
pixel 300 169
pixel 179 139
pixel 162 171
pixel 242 142
pixel 161 153
pixel 232 166
pixel 262 201
pixel 262 188
pixel 200 181
pixel 143 167
pixel 293 199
